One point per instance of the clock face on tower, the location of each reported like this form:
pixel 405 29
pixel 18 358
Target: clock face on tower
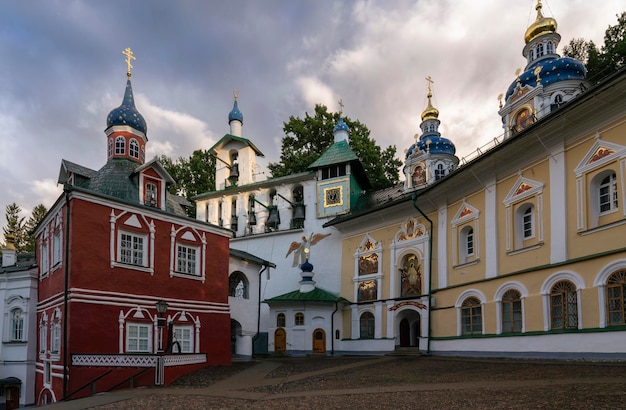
pixel 333 196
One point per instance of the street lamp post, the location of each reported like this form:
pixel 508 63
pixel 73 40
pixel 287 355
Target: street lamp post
pixel 161 308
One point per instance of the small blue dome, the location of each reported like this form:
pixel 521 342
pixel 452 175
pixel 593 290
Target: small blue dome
pixel 306 266
pixel 235 114
pixel 341 126
pixel 438 145
pixel 127 114
pixel 553 70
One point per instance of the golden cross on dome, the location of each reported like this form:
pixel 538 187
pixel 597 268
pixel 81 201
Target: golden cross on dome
pixel 341 106
pixel 235 94
pixel 430 81
pixel 536 72
pixel 129 56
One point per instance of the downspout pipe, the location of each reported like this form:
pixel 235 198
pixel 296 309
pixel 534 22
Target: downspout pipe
pixel 258 311
pixel 332 329
pixel 66 262
pixel 430 267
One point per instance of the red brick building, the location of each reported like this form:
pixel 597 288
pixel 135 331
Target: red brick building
pixel 113 245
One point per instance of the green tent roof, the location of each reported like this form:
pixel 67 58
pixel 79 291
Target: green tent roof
pixel 316 295
pixel 338 153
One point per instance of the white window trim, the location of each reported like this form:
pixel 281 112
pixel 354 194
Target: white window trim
pixel 459 311
pixel 546 290
pixel 43 335
pixel 532 195
pixel 189 234
pixel 191 339
pixel 196 253
pixel 12 303
pixel 139 325
pixel 115 237
pixel 498 299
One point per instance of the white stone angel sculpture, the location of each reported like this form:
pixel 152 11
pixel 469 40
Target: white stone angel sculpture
pixel 302 249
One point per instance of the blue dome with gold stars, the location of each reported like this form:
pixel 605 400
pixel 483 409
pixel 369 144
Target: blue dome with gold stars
pixel 127 114
pixel 552 71
pixel 341 126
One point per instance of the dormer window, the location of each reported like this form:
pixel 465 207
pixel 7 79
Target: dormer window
pixel 151 195
pixel 120 146
pixel 134 148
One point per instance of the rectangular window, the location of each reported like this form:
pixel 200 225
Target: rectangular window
pixel 184 336
pixel 186 260
pixel 56 248
pixel 512 316
pixel 55 347
pixel 470 242
pixel 44 259
pixel 138 338
pixel 132 249
pixel 527 222
pixel 43 337
pixel 151 195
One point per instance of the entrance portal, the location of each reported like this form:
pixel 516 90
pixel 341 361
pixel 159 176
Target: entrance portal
pixel 319 341
pixel 280 340
pixel 405 333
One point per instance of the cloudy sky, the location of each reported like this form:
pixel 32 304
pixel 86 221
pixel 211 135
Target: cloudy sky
pixel 62 71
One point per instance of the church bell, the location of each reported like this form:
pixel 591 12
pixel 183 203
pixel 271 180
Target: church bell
pixel 273 220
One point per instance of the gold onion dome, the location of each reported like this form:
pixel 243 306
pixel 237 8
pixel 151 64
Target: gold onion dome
pixel 542 25
pixel 430 113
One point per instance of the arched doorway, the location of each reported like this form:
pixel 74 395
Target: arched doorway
pixel 409 328
pixel 319 341
pixel 405 333
pixel 280 340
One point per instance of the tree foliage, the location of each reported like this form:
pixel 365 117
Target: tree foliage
pixel 22 230
pixel 603 61
pixel 307 138
pixel 192 176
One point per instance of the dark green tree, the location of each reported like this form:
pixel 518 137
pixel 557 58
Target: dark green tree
pixel 601 62
pixel 15 226
pixel 39 212
pixel 192 176
pixel 307 138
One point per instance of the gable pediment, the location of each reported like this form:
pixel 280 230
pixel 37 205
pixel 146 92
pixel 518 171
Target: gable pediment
pixel 465 212
pixel 523 188
pixel 601 153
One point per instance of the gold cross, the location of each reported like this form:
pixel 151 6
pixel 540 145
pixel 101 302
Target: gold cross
pixel 235 95
pixel 129 56
pixel 341 106
pixel 430 81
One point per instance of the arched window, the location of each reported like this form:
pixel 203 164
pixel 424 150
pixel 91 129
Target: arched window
pixel 563 306
pixel 524 224
pixel 280 320
pixel 539 49
pixel 467 244
pixel 120 146
pixel 471 317
pixel 299 319
pixel 439 171
pixel 17 325
pixel 511 311
pixel 238 285
pixel 550 47
pixel 366 325
pixel 616 298
pixel 110 151
pixel 133 148
pixel 607 194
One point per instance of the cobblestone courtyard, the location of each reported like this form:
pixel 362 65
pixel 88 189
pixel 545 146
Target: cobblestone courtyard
pixel 398 382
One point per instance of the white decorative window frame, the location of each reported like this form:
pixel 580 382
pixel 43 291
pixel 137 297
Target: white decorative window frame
pixel 190 234
pixel 459 311
pixel 55 334
pixel 184 319
pixel 471 218
pixel 142 317
pixel 115 240
pixel 532 195
pixel 546 290
pixel 513 285
pixel 43 335
pixel 10 304
pixel 600 284
pixel 587 165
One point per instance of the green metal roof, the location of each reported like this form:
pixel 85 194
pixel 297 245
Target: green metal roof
pixel 316 295
pixel 338 153
pixel 236 253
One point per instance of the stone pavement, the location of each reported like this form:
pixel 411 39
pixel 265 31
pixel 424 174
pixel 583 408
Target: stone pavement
pixel 253 386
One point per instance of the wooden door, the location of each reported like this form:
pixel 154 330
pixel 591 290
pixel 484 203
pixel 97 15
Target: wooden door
pixel 12 397
pixel 280 340
pixel 319 341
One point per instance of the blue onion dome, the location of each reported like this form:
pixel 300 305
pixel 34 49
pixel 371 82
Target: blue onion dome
pixel 552 71
pixel 127 114
pixel 542 25
pixel 235 114
pixel 436 144
pixel 341 126
pixel 306 266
